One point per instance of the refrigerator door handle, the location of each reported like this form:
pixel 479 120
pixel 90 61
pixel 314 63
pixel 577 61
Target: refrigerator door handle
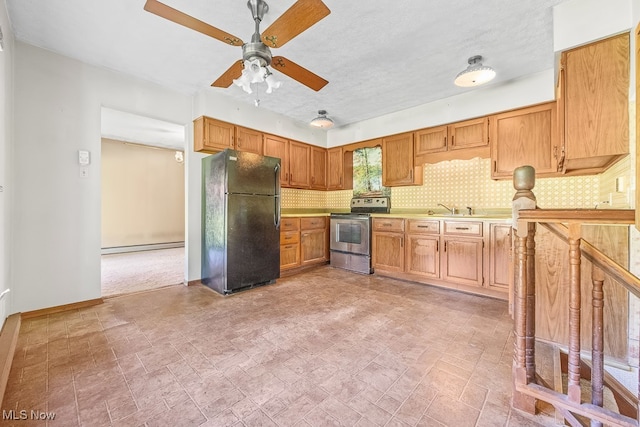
pixel 276 191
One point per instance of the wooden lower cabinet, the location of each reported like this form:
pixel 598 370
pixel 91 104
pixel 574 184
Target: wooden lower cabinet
pixel 313 240
pixel 453 254
pixel 500 257
pixel 423 255
pixel 462 260
pixel 303 242
pixel 387 244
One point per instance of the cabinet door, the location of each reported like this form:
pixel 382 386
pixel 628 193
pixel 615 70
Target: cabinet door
pixel 318 168
pixel 470 133
pixel 423 255
pixel 335 169
pixel 596 89
pixel 528 136
pixel 312 246
pixel 211 136
pixel 289 256
pixel 299 158
pixel 398 161
pixel 274 146
pixel 388 251
pixel 462 261
pixel 431 140
pixel 249 140
pixel 500 272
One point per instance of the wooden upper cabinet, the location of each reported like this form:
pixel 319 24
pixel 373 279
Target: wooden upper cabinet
pixel 431 140
pixel 274 146
pixel 469 134
pixel 211 136
pixel 595 93
pixel 318 168
pixel 249 140
pixel 299 160
pixel 335 169
pixel 528 136
pixel 398 161
pixel 456 136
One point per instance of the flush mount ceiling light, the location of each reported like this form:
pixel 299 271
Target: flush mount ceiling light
pixel 322 121
pixel 476 74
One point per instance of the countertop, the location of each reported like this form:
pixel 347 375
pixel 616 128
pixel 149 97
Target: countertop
pixel 484 215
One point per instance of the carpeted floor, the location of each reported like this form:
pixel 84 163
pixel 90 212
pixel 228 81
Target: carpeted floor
pixel 141 271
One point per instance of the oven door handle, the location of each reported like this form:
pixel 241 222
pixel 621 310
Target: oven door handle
pixel 337 232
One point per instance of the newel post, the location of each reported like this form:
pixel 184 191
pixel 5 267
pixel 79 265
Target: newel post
pixel 524 369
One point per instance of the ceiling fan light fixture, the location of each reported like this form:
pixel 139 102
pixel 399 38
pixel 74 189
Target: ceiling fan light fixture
pixel 475 74
pixel 322 121
pixel 272 83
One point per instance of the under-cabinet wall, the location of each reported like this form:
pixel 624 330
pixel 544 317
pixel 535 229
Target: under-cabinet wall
pixel 467 183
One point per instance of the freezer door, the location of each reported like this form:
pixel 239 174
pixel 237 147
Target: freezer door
pixel 250 173
pixel 253 241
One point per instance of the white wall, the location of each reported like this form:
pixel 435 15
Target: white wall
pixel 56 214
pixel 6 119
pixel 528 90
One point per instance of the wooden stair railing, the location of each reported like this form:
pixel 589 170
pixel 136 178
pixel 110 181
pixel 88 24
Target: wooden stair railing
pixel 527 387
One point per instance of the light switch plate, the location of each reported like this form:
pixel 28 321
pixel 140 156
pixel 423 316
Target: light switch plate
pixel 84 157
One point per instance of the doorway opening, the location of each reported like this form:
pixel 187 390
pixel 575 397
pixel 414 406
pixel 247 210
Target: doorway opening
pixel 143 203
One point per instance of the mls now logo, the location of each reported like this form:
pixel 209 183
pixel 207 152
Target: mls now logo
pixel 27 415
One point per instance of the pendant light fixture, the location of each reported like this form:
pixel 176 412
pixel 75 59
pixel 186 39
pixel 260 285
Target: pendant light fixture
pixel 475 74
pixel 322 121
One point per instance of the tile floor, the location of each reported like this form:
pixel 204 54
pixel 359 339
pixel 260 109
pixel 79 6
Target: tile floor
pixel 323 348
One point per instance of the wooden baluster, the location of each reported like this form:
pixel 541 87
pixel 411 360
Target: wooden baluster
pixel 575 235
pixel 523 293
pixel 530 337
pixel 597 339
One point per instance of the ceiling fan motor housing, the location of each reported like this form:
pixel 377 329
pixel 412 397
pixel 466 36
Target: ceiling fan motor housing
pixel 257 50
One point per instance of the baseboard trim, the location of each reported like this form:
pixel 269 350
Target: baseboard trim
pixel 61 308
pixel 194 282
pixel 8 341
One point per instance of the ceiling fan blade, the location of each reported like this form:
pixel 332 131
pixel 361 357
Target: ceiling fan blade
pixel 234 72
pixel 174 15
pixel 296 72
pixel 302 15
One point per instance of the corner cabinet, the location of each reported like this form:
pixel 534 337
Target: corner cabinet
pixel 398 168
pixel 527 136
pixel 304 242
pixel 594 92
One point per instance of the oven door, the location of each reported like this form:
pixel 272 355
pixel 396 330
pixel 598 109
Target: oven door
pixel 351 234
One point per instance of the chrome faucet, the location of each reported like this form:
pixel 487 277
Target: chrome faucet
pixel 451 210
pixel 469 210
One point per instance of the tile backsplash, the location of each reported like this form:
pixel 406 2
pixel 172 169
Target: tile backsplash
pixel 462 183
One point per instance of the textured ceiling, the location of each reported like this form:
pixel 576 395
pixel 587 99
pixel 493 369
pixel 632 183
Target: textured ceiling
pixel 378 56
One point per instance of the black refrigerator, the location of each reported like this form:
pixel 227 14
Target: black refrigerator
pixel 240 220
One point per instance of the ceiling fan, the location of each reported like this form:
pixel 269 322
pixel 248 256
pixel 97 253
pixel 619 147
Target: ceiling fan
pixel 298 18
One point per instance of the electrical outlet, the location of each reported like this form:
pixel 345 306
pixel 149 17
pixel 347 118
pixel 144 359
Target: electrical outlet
pixel 84 172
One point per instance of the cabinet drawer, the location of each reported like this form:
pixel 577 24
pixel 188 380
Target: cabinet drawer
pixel 287 237
pixel 290 224
pixel 419 226
pixel 312 223
pixel 463 227
pixel 388 224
